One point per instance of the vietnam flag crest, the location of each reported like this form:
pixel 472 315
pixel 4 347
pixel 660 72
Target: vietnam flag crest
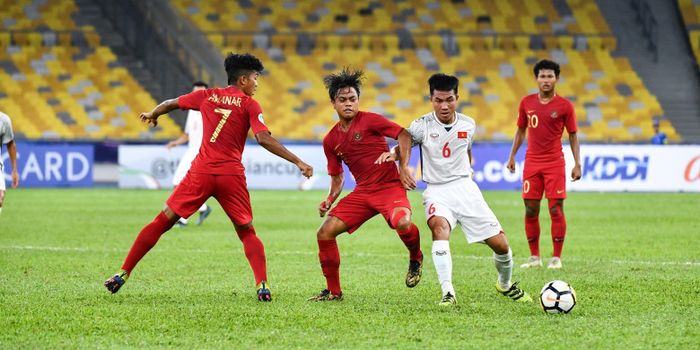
pixel 461 134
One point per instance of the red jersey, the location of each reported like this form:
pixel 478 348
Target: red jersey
pixel 359 147
pixel 545 124
pixel 227 114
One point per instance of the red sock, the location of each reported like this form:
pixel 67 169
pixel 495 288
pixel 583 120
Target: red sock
pixel 558 229
pixel 329 256
pixel 411 238
pixel 147 238
pixel 532 232
pixel 255 252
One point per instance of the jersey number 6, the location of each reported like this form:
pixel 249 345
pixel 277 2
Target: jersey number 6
pixel 224 117
pixel 446 151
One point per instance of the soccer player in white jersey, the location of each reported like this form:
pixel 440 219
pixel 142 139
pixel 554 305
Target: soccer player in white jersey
pixel 7 137
pixel 193 137
pixel 452 197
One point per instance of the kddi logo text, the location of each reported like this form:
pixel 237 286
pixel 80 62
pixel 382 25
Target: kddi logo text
pixel 613 168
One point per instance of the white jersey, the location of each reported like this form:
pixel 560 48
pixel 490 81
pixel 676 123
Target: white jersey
pixel 193 129
pixel 444 154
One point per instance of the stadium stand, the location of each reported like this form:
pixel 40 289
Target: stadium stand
pixel 59 82
pixel 493 52
pixel 690 9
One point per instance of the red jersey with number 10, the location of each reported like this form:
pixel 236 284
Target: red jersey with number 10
pixel 545 124
pixel 227 115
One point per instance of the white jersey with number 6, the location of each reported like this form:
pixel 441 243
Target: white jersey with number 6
pixel 446 167
pixel 444 156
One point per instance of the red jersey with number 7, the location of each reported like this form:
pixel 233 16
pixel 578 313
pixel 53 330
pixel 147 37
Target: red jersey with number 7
pixel 545 125
pixel 227 115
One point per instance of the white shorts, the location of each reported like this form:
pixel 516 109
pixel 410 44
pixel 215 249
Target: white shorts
pixel 183 167
pixel 460 201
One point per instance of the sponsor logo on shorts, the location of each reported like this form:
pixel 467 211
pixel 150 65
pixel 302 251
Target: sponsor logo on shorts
pixel 560 191
pixel 493 224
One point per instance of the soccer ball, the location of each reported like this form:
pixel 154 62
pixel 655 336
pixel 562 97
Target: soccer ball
pixel 557 297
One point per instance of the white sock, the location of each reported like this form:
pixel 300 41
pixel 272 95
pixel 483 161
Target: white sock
pixel 0 210
pixel 203 207
pixel 504 266
pixel 443 265
pixel 183 221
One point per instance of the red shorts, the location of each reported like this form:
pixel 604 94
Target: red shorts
pixel 358 207
pixel 230 191
pixel 549 177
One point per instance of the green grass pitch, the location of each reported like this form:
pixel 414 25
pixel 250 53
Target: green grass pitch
pixel 633 258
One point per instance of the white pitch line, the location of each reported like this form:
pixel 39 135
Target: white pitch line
pixel 359 254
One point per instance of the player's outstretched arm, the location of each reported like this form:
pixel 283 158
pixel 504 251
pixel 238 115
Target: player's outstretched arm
pixel 12 152
pixel 273 146
pixel 404 155
pixel 337 182
pixel 576 151
pixel 517 142
pixel 163 108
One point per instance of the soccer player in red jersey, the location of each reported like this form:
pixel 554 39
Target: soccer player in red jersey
pixel 358 139
pixel 227 115
pixel 545 115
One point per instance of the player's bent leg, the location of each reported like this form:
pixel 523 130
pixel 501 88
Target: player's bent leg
pixel 146 239
pixel 408 232
pixel 502 258
pixel 255 253
pixel 329 258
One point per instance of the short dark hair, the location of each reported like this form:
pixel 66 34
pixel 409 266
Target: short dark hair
pixel 443 82
pixel 546 64
pixel 241 64
pixel 200 83
pixel 346 78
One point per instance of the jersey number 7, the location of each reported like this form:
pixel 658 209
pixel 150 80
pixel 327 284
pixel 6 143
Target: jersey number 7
pixel 224 117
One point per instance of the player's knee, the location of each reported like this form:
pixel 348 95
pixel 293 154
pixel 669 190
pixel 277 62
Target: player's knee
pixel 532 212
pixel 400 221
pixel 556 208
pixel 244 229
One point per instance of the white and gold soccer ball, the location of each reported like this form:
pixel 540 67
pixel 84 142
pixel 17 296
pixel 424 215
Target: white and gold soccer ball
pixel 557 297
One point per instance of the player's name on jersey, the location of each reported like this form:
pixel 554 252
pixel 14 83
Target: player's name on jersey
pixel 227 100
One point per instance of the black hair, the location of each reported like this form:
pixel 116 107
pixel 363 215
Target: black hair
pixel 443 82
pixel 546 64
pixel 346 78
pixel 241 64
pixel 200 83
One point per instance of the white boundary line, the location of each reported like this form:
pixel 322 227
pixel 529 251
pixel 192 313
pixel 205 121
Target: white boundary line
pixel 314 252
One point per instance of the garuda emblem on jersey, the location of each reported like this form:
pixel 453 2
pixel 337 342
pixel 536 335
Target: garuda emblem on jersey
pixel 358 136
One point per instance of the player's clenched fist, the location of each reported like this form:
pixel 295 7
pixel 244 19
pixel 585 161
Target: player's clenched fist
pixel 323 208
pixel 149 118
pixel 306 170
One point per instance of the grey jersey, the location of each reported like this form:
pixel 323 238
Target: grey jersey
pixel 6 134
pixel 444 154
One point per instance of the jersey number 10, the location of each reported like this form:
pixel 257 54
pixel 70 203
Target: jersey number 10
pixel 532 120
